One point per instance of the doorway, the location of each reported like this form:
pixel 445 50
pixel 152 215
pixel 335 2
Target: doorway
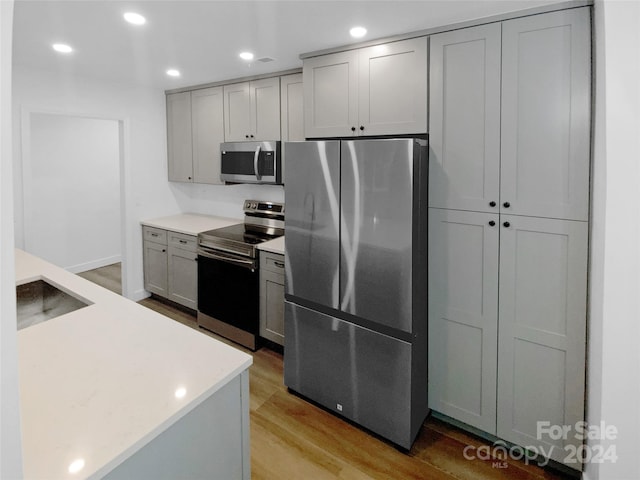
pixel 72 190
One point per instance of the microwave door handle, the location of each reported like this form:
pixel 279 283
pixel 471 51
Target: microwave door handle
pixel 256 156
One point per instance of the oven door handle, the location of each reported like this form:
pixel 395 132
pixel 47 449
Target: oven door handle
pixel 249 264
pixel 256 157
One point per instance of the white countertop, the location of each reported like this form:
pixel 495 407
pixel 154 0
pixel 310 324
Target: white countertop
pixel 274 246
pixel 99 383
pixel 190 223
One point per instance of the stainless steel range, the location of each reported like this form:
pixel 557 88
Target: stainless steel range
pixel 228 282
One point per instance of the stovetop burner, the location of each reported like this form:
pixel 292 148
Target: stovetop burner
pixel 263 221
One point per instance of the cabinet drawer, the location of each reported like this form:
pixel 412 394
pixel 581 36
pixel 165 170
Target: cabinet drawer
pixel 155 235
pixel 183 241
pixel 272 262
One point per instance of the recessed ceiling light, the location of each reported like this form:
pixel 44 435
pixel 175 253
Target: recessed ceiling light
pixel 62 48
pixel 135 18
pixel 172 72
pixel 358 32
pixel 246 56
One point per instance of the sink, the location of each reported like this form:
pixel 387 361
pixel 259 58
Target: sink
pixel 39 301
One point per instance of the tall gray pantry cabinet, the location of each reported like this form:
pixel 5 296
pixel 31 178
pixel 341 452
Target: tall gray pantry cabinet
pixel 508 225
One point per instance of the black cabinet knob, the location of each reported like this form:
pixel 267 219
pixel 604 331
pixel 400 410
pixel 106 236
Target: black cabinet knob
pixel 246 136
pixel 189 178
pixel 361 128
pixel 506 224
pixel 492 204
pixel 353 129
pixel 506 204
pixel 492 223
pixel 251 136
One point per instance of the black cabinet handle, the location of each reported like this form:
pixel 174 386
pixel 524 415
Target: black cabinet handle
pixel 353 129
pixel 492 204
pixel 246 136
pixel 251 136
pixel 189 178
pixel 361 128
pixel 184 242
pixel 506 204
pixel 492 223
pixel 506 224
pixel 164 250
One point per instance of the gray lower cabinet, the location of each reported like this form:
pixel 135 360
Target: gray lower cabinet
pixel 463 316
pixel 183 270
pixel 272 297
pixel 542 331
pixel 170 265
pixel 155 260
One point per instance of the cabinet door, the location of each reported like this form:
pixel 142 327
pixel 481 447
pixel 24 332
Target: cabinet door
pixel 463 316
pixel 546 77
pixel 392 88
pixel 237 112
pixel 207 121
pixel 291 108
pixel 155 268
pixel 543 298
pixel 272 306
pixel 179 148
pixel 464 119
pixel 183 277
pixel 265 109
pixel 330 95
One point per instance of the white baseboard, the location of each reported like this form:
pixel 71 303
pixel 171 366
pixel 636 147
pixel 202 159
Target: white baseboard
pixel 102 262
pixel 139 295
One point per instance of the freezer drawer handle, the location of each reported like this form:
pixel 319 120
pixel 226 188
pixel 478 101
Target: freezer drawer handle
pixel 279 264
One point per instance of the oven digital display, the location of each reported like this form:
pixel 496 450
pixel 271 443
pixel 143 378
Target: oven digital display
pixel 269 207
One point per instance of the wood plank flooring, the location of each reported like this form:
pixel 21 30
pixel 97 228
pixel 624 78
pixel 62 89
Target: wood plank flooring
pixel 294 439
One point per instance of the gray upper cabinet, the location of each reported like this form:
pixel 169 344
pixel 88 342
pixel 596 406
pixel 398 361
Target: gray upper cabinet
pixel 463 315
pixel 541 347
pixel 379 90
pixel 179 146
pixel 194 132
pixel 330 93
pixel 464 125
pixel 207 124
pixel 392 88
pixel 291 108
pixel 546 98
pixel 517 142
pixel 252 110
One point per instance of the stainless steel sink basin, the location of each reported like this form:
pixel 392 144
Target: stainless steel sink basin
pixel 40 301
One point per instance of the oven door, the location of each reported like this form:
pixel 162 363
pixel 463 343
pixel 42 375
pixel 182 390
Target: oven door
pixel 228 289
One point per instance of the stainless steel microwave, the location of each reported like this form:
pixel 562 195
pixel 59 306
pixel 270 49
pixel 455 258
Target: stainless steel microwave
pixel 251 162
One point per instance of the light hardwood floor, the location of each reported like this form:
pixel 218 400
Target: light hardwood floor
pixel 293 439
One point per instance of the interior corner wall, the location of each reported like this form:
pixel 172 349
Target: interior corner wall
pixel 10 436
pixel 141 110
pixel 614 358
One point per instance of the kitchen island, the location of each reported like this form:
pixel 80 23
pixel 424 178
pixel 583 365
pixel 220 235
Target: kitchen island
pixel 114 390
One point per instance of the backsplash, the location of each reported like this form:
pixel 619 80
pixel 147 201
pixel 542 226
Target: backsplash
pixel 222 200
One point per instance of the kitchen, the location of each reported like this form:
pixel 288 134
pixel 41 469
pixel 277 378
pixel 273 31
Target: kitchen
pixel 147 200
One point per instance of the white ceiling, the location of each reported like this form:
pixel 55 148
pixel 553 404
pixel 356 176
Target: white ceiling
pixel 203 38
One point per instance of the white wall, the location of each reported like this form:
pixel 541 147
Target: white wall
pixel 71 188
pixel 147 193
pixel 614 352
pixel 10 438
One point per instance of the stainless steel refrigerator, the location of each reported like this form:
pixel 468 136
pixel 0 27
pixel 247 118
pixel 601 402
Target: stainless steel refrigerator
pixel 355 280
